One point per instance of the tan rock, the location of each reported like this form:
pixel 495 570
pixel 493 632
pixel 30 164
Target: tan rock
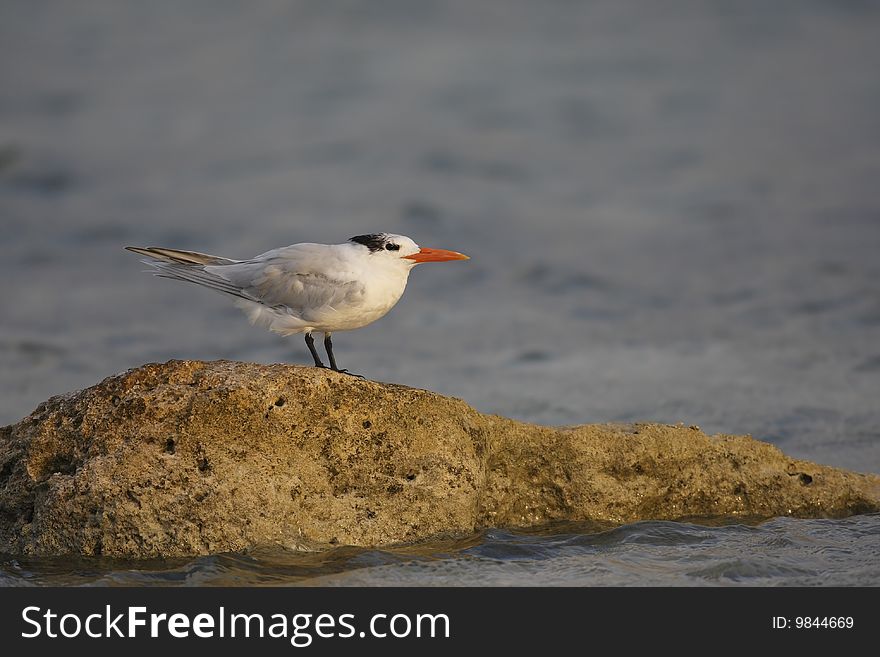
pixel 192 457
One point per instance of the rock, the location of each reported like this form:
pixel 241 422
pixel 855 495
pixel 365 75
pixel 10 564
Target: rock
pixel 191 457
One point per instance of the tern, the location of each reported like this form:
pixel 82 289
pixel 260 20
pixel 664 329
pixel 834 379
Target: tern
pixel 304 288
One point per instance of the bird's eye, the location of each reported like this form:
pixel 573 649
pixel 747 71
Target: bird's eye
pixel 392 247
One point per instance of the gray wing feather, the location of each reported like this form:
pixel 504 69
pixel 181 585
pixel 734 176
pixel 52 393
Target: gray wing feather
pixel 182 257
pixel 277 283
pixel 276 280
pixel 198 275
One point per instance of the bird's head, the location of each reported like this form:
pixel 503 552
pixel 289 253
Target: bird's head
pixel 401 249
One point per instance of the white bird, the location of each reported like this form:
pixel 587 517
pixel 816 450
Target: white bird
pixel 305 288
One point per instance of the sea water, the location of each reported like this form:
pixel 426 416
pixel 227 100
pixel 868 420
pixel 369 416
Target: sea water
pixel 672 212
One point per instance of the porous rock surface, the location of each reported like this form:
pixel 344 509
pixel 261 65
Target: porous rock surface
pixel 192 457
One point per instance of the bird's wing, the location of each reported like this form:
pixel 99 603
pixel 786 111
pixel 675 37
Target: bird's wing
pixel 309 281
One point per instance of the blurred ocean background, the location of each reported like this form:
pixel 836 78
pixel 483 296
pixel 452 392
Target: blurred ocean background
pixel 673 211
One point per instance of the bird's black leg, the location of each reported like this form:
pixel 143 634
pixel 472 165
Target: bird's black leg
pixel 310 343
pixel 328 345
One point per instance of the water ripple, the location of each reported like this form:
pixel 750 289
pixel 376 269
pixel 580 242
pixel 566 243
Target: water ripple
pixel 778 552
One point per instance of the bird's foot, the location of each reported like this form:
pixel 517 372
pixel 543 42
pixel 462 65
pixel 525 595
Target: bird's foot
pixel 359 376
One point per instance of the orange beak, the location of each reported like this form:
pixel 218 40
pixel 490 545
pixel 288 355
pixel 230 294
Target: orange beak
pixel 436 255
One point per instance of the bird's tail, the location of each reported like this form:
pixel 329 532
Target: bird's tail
pixel 192 267
pixel 181 257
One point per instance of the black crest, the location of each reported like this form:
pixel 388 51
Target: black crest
pixel 374 241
